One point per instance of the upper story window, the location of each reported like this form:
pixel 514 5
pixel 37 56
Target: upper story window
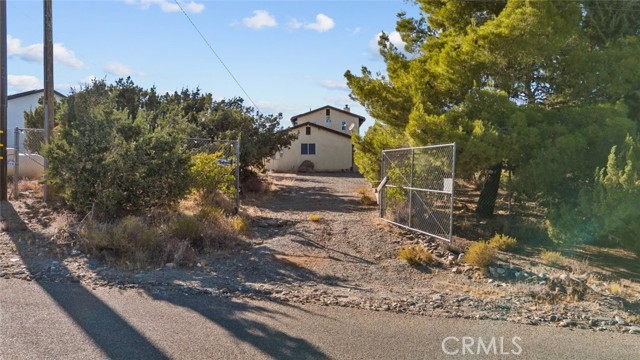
pixel 327 112
pixel 328 120
pixel 308 130
pixel 344 125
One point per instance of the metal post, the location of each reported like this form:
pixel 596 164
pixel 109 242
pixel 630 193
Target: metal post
pixel 383 173
pixel 3 101
pixel 413 157
pixel 453 186
pixel 16 160
pixel 237 143
pixel 48 83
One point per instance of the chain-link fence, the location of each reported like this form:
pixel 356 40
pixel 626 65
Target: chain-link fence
pixel 227 160
pixel 417 189
pixel 26 161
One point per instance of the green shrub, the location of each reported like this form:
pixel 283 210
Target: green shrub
pixel 608 211
pixel 209 177
pixel 101 159
pixel 503 242
pixel 415 255
pixel 480 254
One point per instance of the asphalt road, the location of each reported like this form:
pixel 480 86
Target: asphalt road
pixel 68 321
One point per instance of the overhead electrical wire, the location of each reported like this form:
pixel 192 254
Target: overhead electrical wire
pixel 217 56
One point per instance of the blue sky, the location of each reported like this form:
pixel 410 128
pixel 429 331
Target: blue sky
pixel 289 56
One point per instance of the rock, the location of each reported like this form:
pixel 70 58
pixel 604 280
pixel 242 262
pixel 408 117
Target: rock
pixel 456 270
pixel 564 277
pixel 500 271
pixel 634 330
pixel 553 318
pixel 169 265
pixel 493 272
pixel 436 297
pixel 621 321
pixel 461 257
pixel 567 323
pixel 543 276
pixel 306 166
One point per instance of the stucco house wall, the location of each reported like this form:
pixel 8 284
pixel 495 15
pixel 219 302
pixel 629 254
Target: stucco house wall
pixel 333 152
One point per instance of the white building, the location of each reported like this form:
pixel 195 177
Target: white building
pixel 17 104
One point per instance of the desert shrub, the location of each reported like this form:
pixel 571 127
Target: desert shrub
pixel 315 217
pixel 209 177
pixel 178 252
pixel 240 224
pixel 415 255
pixel 209 213
pixel 480 254
pixel 184 227
pixel 128 241
pixel 503 242
pixel 553 258
pixel 101 159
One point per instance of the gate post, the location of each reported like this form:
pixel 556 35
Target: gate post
pixel 413 156
pixel 16 160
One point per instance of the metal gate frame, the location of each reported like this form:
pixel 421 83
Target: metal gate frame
pixel 408 183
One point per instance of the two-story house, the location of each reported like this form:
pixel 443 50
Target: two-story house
pixel 324 138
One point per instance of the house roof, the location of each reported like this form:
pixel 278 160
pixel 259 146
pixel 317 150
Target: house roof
pixel 31 92
pixel 360 118
pixel 305 124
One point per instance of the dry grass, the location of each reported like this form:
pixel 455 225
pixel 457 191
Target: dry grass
pixel 315 217
pixel 480 254
pixel 415 255
pixel 503 242
pixel 616 288
pixel 552 258
pixel 32 187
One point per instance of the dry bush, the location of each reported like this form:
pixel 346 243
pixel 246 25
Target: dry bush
pixel 129 242
pixel 178 252
pixel 30 186
pixel 315 217
pixel 616 288
pixel 552 258
pixel 580 267
pixel 503 242
pixel 480 254
pixel 415 255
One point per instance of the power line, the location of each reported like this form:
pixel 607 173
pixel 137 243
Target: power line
pixel 217 56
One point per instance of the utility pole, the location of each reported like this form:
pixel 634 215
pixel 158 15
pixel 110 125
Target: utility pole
pixel 48 83
pixel 3 100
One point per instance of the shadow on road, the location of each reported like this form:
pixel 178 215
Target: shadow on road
pixel 113 334
pixel 234 317
pixel 119 340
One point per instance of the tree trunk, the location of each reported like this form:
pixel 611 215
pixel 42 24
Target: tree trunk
pixel 489 194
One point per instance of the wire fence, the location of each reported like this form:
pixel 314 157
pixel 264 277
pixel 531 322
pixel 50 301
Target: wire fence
pixel 227 155
pixel 26 160
pixel 417 189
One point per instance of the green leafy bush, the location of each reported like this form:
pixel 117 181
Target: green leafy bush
pixel 503 242
pixel 209 177
pixel 101 159
pixel 480 254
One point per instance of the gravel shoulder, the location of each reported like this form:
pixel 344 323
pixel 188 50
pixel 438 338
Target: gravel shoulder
pixel 348 258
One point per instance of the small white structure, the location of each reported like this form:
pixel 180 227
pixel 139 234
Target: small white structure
pixel 324 138
pixel 17 104
pixel 30 166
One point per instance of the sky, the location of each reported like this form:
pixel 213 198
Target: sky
pixel 288 56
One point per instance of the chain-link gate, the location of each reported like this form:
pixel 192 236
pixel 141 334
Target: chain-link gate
pixel 417 189
pixel 227 154
pixel 26 160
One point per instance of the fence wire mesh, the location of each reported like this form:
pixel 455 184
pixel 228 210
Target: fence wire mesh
pixel 227 155
pixel 26 160
pixel 419 189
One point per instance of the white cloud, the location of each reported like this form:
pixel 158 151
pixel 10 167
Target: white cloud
pixel 169 6
pixel 21 83
pixel 323 23
pixel 394 38
pixel 270 107
pixel 260 19
pixel 35 53
pixel 120 69
pixel 354 31
pixel 334 85
pixel 295 24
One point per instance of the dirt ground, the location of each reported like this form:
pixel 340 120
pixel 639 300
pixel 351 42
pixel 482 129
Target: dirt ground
pixel 313 241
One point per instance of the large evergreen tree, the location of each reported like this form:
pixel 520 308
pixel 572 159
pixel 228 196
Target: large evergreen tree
pixel 544 87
